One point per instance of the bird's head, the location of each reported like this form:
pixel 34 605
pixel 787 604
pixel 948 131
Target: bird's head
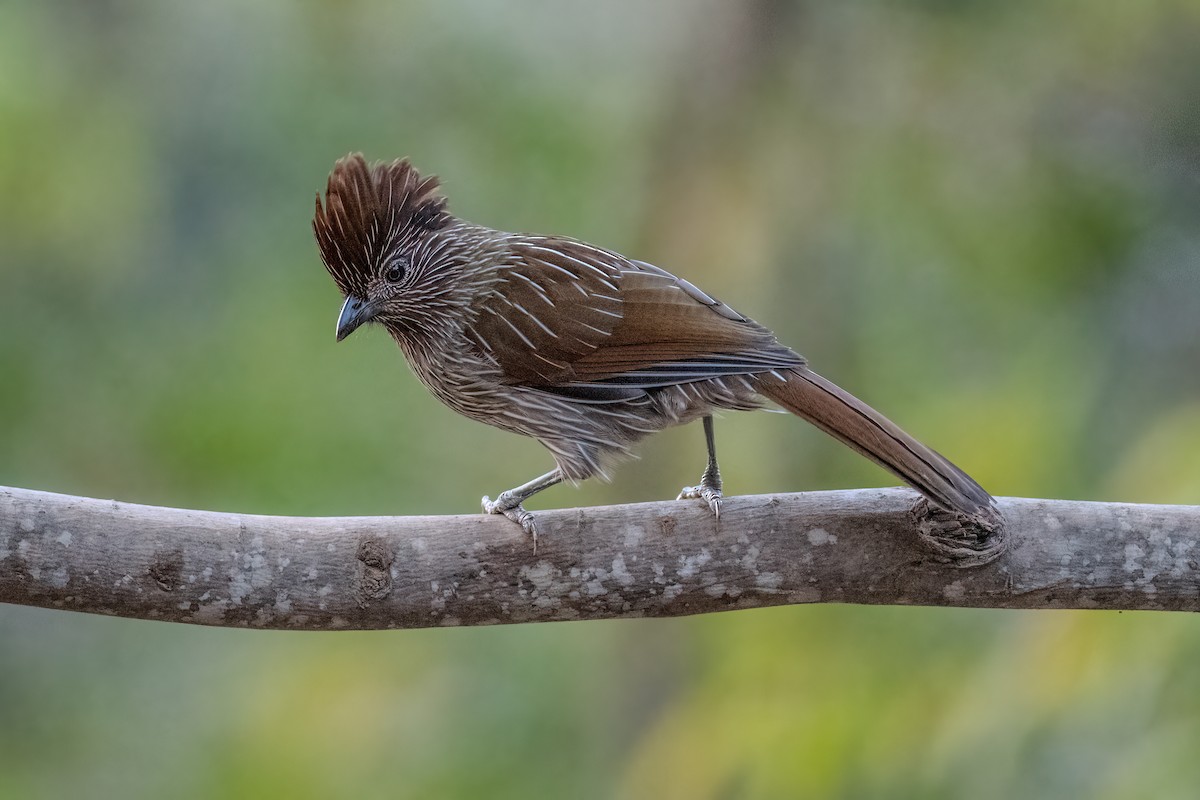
pixel 388 242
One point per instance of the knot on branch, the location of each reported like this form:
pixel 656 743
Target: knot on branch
pixel 958 539
pixel 166 570
pixel 375 559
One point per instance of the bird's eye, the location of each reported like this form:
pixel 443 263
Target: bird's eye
pixel 396 271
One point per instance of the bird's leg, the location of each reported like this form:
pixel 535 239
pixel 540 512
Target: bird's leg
pixel 709 489
pixel 509 503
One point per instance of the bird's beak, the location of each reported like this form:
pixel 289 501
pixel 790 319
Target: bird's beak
pixel 355 312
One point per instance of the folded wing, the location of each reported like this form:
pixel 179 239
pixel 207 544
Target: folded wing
pixel 588 323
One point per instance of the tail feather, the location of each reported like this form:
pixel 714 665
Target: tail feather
pixel 854 423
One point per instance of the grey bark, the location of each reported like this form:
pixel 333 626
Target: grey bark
pixel 646 560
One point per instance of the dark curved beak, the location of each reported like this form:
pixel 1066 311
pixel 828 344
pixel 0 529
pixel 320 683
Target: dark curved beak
pixel 355 312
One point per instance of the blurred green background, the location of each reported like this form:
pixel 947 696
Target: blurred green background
pixel 980 216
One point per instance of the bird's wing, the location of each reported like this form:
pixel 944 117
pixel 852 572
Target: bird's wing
pixel 548 309
pixel 570 316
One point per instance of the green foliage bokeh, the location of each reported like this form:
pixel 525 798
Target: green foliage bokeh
pixel 981 217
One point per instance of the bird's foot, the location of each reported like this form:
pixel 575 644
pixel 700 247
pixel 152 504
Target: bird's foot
pixel 510 506
pixel 707 491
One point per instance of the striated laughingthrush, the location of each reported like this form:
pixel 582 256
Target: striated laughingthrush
pixel 581 348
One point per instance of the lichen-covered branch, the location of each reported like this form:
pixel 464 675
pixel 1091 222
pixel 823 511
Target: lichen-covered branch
pixel 645 560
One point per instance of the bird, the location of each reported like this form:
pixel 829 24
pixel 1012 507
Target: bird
pixel 579 347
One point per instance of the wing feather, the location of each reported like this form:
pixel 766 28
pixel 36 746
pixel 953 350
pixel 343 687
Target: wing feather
pixel 590 324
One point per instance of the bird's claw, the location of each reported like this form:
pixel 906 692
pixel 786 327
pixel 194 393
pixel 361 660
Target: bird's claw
pixel 504 505
pixel 709 494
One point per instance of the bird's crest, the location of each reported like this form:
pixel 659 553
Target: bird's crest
pixel 369 211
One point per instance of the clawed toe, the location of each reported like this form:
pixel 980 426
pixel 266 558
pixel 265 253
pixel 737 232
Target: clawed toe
pixel 710 495
pixel 516 512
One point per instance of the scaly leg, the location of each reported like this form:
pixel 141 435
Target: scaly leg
pixel 509 503
pixel 709 489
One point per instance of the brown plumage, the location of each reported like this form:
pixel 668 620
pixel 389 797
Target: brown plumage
pixel 581 348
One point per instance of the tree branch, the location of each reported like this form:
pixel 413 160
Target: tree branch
pixel 645 560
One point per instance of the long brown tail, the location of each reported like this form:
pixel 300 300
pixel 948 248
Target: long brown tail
pixel 852 422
